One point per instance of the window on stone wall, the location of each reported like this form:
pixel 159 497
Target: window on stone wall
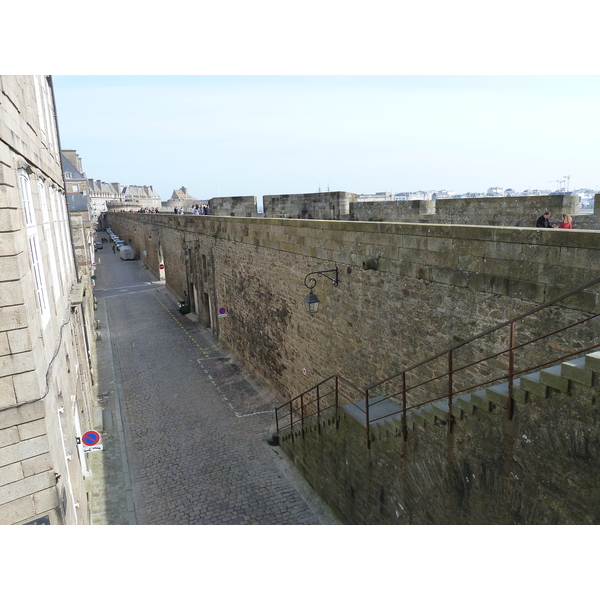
pixel 34 247
pixel 45 109
pixel 57 232
pixel 48 238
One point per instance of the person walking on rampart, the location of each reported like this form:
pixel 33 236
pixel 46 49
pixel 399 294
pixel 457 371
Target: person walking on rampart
pixel 544 221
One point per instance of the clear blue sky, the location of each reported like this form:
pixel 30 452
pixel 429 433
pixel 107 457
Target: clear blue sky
pixel 256 135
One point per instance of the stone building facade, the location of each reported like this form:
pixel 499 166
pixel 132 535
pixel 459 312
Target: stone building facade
pixel 134 198
pixel 45 319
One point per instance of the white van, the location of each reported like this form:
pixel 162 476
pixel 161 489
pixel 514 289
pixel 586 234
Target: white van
pixel 126 253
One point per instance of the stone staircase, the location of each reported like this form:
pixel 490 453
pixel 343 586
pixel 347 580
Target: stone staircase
pixel 582 370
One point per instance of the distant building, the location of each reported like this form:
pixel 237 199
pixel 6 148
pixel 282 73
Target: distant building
pixel 180 195
pixel 441 194
pixel 135 197
pixel 100 194
pixel 76 184
pixel 181 199
pixel 378 196
pixel 495 191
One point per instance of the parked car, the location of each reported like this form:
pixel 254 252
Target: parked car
pixel 99 246
pixel 126 253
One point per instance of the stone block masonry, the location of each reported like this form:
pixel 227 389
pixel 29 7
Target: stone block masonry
pixel 544 472
pixel 434 285
pixel 512 211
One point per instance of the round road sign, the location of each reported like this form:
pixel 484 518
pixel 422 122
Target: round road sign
pixel 90 438
pixel 161 266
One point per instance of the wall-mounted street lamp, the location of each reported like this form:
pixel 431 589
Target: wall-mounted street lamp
pixel 311 300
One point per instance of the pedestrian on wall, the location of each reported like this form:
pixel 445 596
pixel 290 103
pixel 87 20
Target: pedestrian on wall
pixel 566 222
pixel 544 221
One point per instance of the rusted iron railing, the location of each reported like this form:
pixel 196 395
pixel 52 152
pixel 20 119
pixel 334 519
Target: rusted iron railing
pixel 454 372
pixel 328 394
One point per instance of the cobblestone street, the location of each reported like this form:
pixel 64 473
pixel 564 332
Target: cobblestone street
pixel 184 429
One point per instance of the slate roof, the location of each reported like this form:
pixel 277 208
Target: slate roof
pixel 68 167
pixel 77 202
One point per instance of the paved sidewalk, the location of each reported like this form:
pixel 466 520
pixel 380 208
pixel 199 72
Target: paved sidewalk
pixel 183 427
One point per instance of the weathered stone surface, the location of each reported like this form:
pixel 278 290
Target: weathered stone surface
pixel 17 510
pixel 23 450
pixel 26 487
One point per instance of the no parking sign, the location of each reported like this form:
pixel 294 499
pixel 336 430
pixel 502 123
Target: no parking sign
pixel 90 440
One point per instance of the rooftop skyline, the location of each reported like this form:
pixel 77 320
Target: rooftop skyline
pixel 260 135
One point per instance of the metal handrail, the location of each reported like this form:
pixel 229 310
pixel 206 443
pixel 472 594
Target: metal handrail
pixel 449 372
pixel 497 327
pixel 299 411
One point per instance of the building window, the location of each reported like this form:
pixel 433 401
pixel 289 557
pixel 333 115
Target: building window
pixel 45 106
pixel 34 249
pixel 75 187
pixel 48 237
pixel 57 233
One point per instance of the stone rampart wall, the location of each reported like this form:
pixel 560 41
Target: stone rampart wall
pixel 427 287
pixel 409 211
pixel 322 205
pixel 233 206
pixel 435 285
pixel 544 472
pixel 521 211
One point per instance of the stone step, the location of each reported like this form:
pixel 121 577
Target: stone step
pixel 428 414
pixel 479 399
pixel 592 362
pixel 388 411
pixel 553 378
pixel 498 394
pixel 386 425
pixel 416 417
pixel 465 405
pixel 575 370
pixel 531 383
pixel 382 408
pixel 518 394
pixel 441 409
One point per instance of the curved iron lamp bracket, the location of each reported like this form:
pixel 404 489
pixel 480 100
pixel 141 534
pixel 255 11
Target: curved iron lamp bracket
pixel 310 282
